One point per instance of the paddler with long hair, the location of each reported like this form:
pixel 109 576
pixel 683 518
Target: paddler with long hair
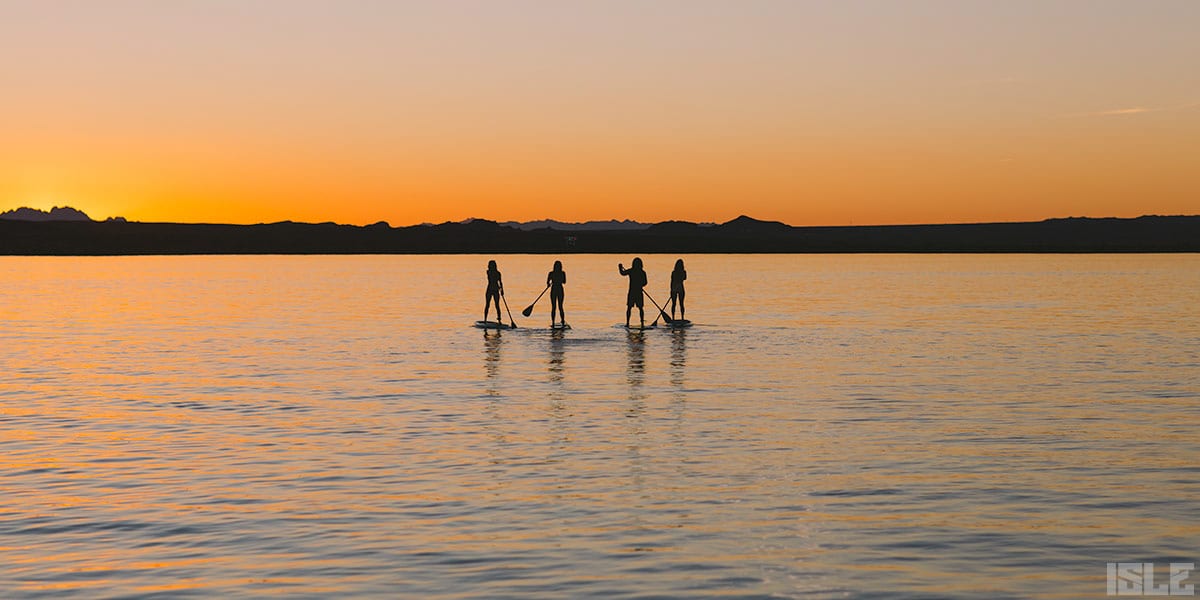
pixel 678 276
pixel 637 281
pixel 555 280
pixel 495 289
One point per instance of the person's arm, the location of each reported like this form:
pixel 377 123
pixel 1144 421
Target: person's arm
pixel 549 278
pixel 684 278
pixel 564 281
pixel 500 283
pixel 621 267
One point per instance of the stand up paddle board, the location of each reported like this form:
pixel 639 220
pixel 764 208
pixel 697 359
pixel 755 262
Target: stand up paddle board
pixel 491 325
pixel 634 327
pixel 559 327
pixel 679 323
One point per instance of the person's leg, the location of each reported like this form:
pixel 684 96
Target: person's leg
pixel 499 315
pixel 487 300
pixel 553 304
pixel 682 310
pixel 672 301
pixel 558 302
pixel 628 310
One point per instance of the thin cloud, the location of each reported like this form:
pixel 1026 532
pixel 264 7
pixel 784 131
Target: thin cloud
pixel 1134 110
pixel 1126 111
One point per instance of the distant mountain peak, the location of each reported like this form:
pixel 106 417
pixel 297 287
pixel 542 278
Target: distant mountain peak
pixel 747 224
pixel 747 220
pixel 58 213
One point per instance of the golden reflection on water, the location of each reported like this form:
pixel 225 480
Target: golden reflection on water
pixel 249 426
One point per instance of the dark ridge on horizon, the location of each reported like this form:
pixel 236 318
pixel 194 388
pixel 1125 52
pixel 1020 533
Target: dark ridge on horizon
pixel 67 213
pixel 741 235
pixel 57 213
pixel 610 225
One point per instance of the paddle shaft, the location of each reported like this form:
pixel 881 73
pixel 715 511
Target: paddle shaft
pixel 660 310
pixel 510 319
pixel 529 309
pixel 658 316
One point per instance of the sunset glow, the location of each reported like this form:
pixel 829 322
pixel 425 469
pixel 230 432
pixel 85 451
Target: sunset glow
pixel 809 113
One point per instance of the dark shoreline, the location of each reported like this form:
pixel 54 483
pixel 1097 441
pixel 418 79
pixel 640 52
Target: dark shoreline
pixel 742 235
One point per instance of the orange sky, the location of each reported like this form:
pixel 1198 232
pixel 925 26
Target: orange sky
pixel 809 113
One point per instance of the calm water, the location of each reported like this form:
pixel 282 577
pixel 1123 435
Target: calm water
pixel 833 426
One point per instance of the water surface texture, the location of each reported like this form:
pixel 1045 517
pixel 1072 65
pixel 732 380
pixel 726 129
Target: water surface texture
pixel 832 427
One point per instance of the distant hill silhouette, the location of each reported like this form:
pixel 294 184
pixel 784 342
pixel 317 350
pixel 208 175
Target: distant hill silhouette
pixel 744 225
pixel 58 213
pixel 743 234
pixel 612 225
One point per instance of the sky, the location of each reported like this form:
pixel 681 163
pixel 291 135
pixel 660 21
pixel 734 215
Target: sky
pixel 812 113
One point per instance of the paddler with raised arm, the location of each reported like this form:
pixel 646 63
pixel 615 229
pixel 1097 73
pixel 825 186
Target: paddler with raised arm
pixel 637 281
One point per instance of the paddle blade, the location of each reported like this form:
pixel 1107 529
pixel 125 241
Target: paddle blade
pixel 528 310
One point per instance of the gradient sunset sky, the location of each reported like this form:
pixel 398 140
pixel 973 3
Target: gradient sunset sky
pixel 812 113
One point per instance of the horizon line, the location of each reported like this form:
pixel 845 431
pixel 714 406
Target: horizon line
pixel 587 222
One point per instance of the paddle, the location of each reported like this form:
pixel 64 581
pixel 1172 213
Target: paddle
pixel 656 317
pixel 529 309
pixel 510 319
pixel 661 312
